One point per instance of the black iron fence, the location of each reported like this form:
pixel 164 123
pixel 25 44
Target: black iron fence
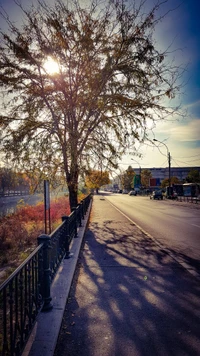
pixel 28 290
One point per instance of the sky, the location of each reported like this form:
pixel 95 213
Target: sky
pixel 181 138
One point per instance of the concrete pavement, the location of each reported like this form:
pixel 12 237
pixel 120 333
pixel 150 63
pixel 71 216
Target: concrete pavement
pixel 43 338
pixel 128 296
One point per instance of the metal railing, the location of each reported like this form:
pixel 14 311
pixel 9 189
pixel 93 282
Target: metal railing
pixel 188 199
pixel 14 193
pixel 27 291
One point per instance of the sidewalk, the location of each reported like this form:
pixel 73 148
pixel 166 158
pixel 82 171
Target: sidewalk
pixel 43 338
pixel 128 296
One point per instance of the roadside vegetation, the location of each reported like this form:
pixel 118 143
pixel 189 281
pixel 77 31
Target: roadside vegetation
pixel 19 231
pixel 95 179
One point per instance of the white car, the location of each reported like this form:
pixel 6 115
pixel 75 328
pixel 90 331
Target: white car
pixel 133 192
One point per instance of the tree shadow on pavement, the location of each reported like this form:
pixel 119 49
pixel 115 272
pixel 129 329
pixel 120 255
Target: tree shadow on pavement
pixel 129 298
pixel 185 259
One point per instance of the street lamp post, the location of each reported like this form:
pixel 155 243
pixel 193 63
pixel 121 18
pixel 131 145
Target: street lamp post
pixel 169 159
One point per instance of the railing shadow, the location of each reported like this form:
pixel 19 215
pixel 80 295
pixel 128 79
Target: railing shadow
pixel 131 298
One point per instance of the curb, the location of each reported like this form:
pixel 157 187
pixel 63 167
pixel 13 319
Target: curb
pixel 43 338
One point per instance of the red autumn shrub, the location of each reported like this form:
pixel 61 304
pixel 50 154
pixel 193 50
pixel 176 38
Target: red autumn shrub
pixel 20 230
pixel 31 213
pixel 59 207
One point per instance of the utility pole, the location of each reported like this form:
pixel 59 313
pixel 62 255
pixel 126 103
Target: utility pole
pixel 169 161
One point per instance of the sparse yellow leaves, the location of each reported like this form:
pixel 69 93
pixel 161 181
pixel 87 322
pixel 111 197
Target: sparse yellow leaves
pixel 95 179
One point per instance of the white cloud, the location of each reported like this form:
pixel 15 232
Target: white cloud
pixel 188 132
pixel 193 105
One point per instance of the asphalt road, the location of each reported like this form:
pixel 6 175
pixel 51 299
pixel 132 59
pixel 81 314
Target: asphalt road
pixel 8 204
pixel 128 296
pixel 175 226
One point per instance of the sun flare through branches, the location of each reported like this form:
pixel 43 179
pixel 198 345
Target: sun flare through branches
pixel 51 66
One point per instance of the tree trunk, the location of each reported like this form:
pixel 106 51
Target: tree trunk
pixel 72 182
pixel 73 196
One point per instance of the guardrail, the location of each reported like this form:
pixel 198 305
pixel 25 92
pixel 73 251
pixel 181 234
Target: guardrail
pixel 190 199
pixel 14 193
pixel 27 291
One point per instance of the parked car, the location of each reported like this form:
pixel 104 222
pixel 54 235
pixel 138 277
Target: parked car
pixel 132 192
pixel 156 194
pixel 124 191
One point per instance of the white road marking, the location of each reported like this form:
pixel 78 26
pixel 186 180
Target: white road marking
pixel 195 225
pixel 169 253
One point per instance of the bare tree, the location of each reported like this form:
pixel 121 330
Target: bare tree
pixel 110 81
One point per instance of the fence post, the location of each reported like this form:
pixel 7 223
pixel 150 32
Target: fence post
pixel 65 218
pixel 79 214
pixel 75 215
pixel 82 211
pixel 46 273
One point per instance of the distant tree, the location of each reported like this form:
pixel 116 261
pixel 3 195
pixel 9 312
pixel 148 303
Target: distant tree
pixel 11 180
pixel 193 176
pixel 127 178
pixel 173 180
pixel 95 179
pixel 7 179
pixel 80 82
pixel 145 176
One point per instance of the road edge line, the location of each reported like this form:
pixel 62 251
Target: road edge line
pixel 187 267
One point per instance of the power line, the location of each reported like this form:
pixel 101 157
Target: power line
pixel 188 163
pixel 190 156
pixel 164 163
pixel 195 160
pixel 175 162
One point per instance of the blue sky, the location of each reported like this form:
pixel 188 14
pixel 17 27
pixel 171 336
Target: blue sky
pixel 182 26
pixel 182 138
